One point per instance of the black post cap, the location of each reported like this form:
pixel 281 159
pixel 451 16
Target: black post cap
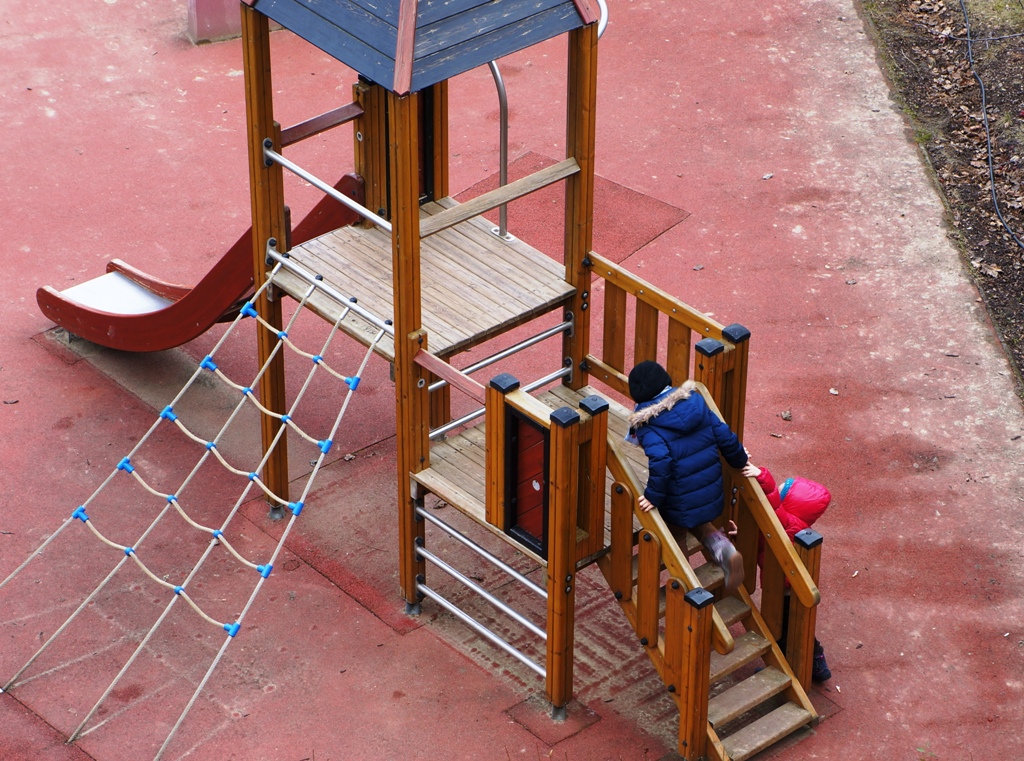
pixel 505 382
pixel 709 347
pixel 565 416
pixel 808 538
pixel 699 598
pixel 736 333
pixel 594 404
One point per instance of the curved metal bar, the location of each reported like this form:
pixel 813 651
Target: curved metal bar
pixel 603 23
pixel 499 83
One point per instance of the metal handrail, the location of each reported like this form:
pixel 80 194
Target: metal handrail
pixel 499 83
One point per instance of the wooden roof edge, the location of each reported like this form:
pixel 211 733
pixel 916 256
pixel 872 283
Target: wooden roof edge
pixel 586 10
pixel 405 44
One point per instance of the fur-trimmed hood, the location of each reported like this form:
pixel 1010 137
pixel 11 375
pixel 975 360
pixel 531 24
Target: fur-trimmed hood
pixel 661 404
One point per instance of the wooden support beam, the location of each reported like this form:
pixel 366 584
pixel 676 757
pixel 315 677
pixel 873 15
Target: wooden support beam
pixel 497 445
pixel 321 123
pixel 492 199
pixel 268 221
pixel 645 335
pixel 446 372
pixel 648 586
pixel 802 620
pixel 438 145
pixel 678 354
pixel 581 121
pixel 593 471
pixel 370 146
pixel 690 615
pixel 412 398
pixel 614 345
pixel 620 573
pixel 562 502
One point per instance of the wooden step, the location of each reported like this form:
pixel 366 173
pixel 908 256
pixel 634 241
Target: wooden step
pixel 740 698
pixel 766 731
pixel 732 610
pixel 710 575
pixel 749 647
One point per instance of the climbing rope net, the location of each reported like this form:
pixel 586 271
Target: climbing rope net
pixel 174 502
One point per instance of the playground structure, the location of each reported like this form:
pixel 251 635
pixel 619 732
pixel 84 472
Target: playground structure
pixel 448 283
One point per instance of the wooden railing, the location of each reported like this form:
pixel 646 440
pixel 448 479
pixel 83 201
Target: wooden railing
pixel 717 358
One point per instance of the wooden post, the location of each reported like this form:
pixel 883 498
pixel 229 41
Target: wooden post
pixel 620 574
pixel 677 361
pixel 370 146
pixel 708 368
pixel 412 397
pixel 736 395
pixel 691 616
pixel 497 448
pixel 648 589
pixel 581 119
pixel 593 470
pixel 267 196
pixel 614 345
pixel 438 141
pixel 802 620
pixel 565 436
pixel 645 334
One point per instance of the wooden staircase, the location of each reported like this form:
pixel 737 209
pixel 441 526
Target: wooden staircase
pixel 753 698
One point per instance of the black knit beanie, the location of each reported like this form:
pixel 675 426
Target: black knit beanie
pixel 647 380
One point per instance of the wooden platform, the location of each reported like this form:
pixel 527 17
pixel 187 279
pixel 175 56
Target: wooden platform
pixel 474 284
pixel 456 473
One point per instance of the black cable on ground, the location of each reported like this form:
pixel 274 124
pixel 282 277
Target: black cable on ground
pixel 988 133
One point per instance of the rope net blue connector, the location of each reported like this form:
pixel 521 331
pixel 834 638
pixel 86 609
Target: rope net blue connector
pixel 178 590
pixel 232 629
pixel 208 363
pixel 126 465
pixel 317 359
pixel 282 334
pixel 296 507
pixel 247 391
pixel 168 414
pixel 248 310
pixel 129 551
pixel 325 445
pixel 172 498
pixel 353 383
pixel 264 570
pixel 211 444
pixel 80 514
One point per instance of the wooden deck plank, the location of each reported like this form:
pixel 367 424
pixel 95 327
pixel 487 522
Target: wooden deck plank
pixel 474 284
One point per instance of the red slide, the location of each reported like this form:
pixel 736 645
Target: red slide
pixel 129 310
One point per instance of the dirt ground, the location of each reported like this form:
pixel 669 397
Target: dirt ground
pixel 944 57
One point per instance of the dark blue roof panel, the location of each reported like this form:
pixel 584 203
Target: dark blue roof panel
pixel 452 36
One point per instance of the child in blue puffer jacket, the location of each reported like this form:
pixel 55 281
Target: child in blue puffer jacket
pixel 682 439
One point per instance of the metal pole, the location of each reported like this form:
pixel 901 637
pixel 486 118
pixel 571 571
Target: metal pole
pixel 560 328
pixel 480 629
pixel 271 155
pixel 473 586
pixel 470 544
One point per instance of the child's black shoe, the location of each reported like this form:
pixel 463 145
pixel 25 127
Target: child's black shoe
pixel 820 671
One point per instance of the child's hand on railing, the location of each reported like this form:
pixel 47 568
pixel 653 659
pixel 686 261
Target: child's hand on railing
pixel 750 470
pixel 732 530
pixel 645 504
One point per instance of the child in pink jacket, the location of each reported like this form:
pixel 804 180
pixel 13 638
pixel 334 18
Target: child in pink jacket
pixel 798 503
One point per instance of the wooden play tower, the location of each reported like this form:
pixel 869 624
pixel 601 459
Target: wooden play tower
pixel 435 276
